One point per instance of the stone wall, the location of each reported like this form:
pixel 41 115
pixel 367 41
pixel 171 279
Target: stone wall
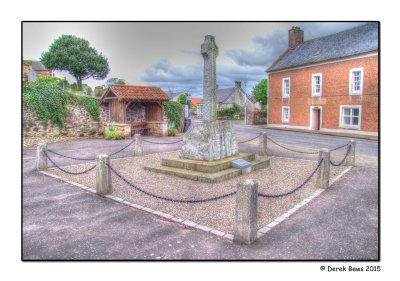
pixel 157 128
pixel 78 123
pixel 136 113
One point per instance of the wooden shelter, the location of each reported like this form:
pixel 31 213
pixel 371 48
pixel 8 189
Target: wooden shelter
pixel 138 107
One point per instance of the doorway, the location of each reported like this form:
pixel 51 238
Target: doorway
pixel 316 114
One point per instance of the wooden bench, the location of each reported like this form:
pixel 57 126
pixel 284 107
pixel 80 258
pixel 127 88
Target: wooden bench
pixel 139 128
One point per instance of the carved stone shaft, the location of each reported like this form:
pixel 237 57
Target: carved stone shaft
pixel 209 50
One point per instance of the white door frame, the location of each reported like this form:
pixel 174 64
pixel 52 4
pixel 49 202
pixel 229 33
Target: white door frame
pixel 320 115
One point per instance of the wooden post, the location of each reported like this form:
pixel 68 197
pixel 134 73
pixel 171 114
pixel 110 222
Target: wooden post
pixel 263 144
pixel 103 175
pixel 137 145
pixel 324 170
pixel 246 212
pixel 351 158
pixel 41 158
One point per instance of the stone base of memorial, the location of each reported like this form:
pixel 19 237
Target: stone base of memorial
pixel 210 141
pixel 209 171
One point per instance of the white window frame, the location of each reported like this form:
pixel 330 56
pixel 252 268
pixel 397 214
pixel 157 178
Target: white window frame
pixel 283 87
pixel 351 91
pixel 341 123
pixel 283 115
pixel 313 93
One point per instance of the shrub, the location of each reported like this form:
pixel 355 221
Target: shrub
pixel 172 131
pixel 229 112
pixel 174 112
pixel 111 127
pixel 114 135
pixel 49 101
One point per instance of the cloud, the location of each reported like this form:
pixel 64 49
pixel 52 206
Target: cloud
pixel 189 78
pixel 266 49
pixel 248 64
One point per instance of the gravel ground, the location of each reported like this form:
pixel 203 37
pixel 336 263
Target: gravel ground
pixel 283 175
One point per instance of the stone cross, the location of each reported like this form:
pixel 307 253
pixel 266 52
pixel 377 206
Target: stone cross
pixel 209 50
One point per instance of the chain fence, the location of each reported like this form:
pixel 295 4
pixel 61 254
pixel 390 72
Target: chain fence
pixel 167 198
pixel 344 158
pixel 68 172
pixel 153 142
pixel 295 189
pixel 250 139
pixel 290 149
pixel 89 159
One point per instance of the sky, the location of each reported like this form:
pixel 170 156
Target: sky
pixel 167 54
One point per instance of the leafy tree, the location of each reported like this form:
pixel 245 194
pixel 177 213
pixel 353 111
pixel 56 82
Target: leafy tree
pixel 114 81
pixel 99 91
pixel 260 92
pixel 75 55
pixel 182 98
pixel 174 112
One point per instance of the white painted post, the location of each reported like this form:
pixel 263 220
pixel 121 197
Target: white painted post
pixel 103 175
pixel 137 145
pixel 263 144
pixel 351 158
pixel 246 212
pixel 324 170
pixel 41 158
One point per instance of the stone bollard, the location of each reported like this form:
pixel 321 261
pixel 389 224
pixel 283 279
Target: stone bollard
pixel 103 175
pixel 137 145
pixel 246 212
pixel 324 170
pixel 351 158
pixel 41 158
pixel 263 144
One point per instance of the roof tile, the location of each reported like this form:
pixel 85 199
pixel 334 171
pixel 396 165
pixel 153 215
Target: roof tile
pixel 142 93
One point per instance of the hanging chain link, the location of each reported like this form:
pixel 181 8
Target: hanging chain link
pixel 344 158
pixel 290 149
pixel 162 142
pixel 295 189
pixel 88 159
pixel 250 139
pixel 68 172
pixel 166 198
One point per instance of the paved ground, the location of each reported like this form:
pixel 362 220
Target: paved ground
pixel 64 222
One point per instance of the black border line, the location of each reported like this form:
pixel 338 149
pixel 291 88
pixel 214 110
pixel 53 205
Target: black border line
pixel 213 260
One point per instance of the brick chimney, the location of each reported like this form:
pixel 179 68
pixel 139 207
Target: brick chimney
pixel 238 84
pixel 296 37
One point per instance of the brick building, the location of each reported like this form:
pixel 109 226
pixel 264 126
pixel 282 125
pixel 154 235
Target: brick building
pixel 328 83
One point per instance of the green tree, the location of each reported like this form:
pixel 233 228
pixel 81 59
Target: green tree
pixel 182 98
pixel 260 92
pixel 99 91
pixel 114 81
pixel 75 55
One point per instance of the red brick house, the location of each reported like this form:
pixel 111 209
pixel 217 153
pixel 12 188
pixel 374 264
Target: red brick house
pixel 328 83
